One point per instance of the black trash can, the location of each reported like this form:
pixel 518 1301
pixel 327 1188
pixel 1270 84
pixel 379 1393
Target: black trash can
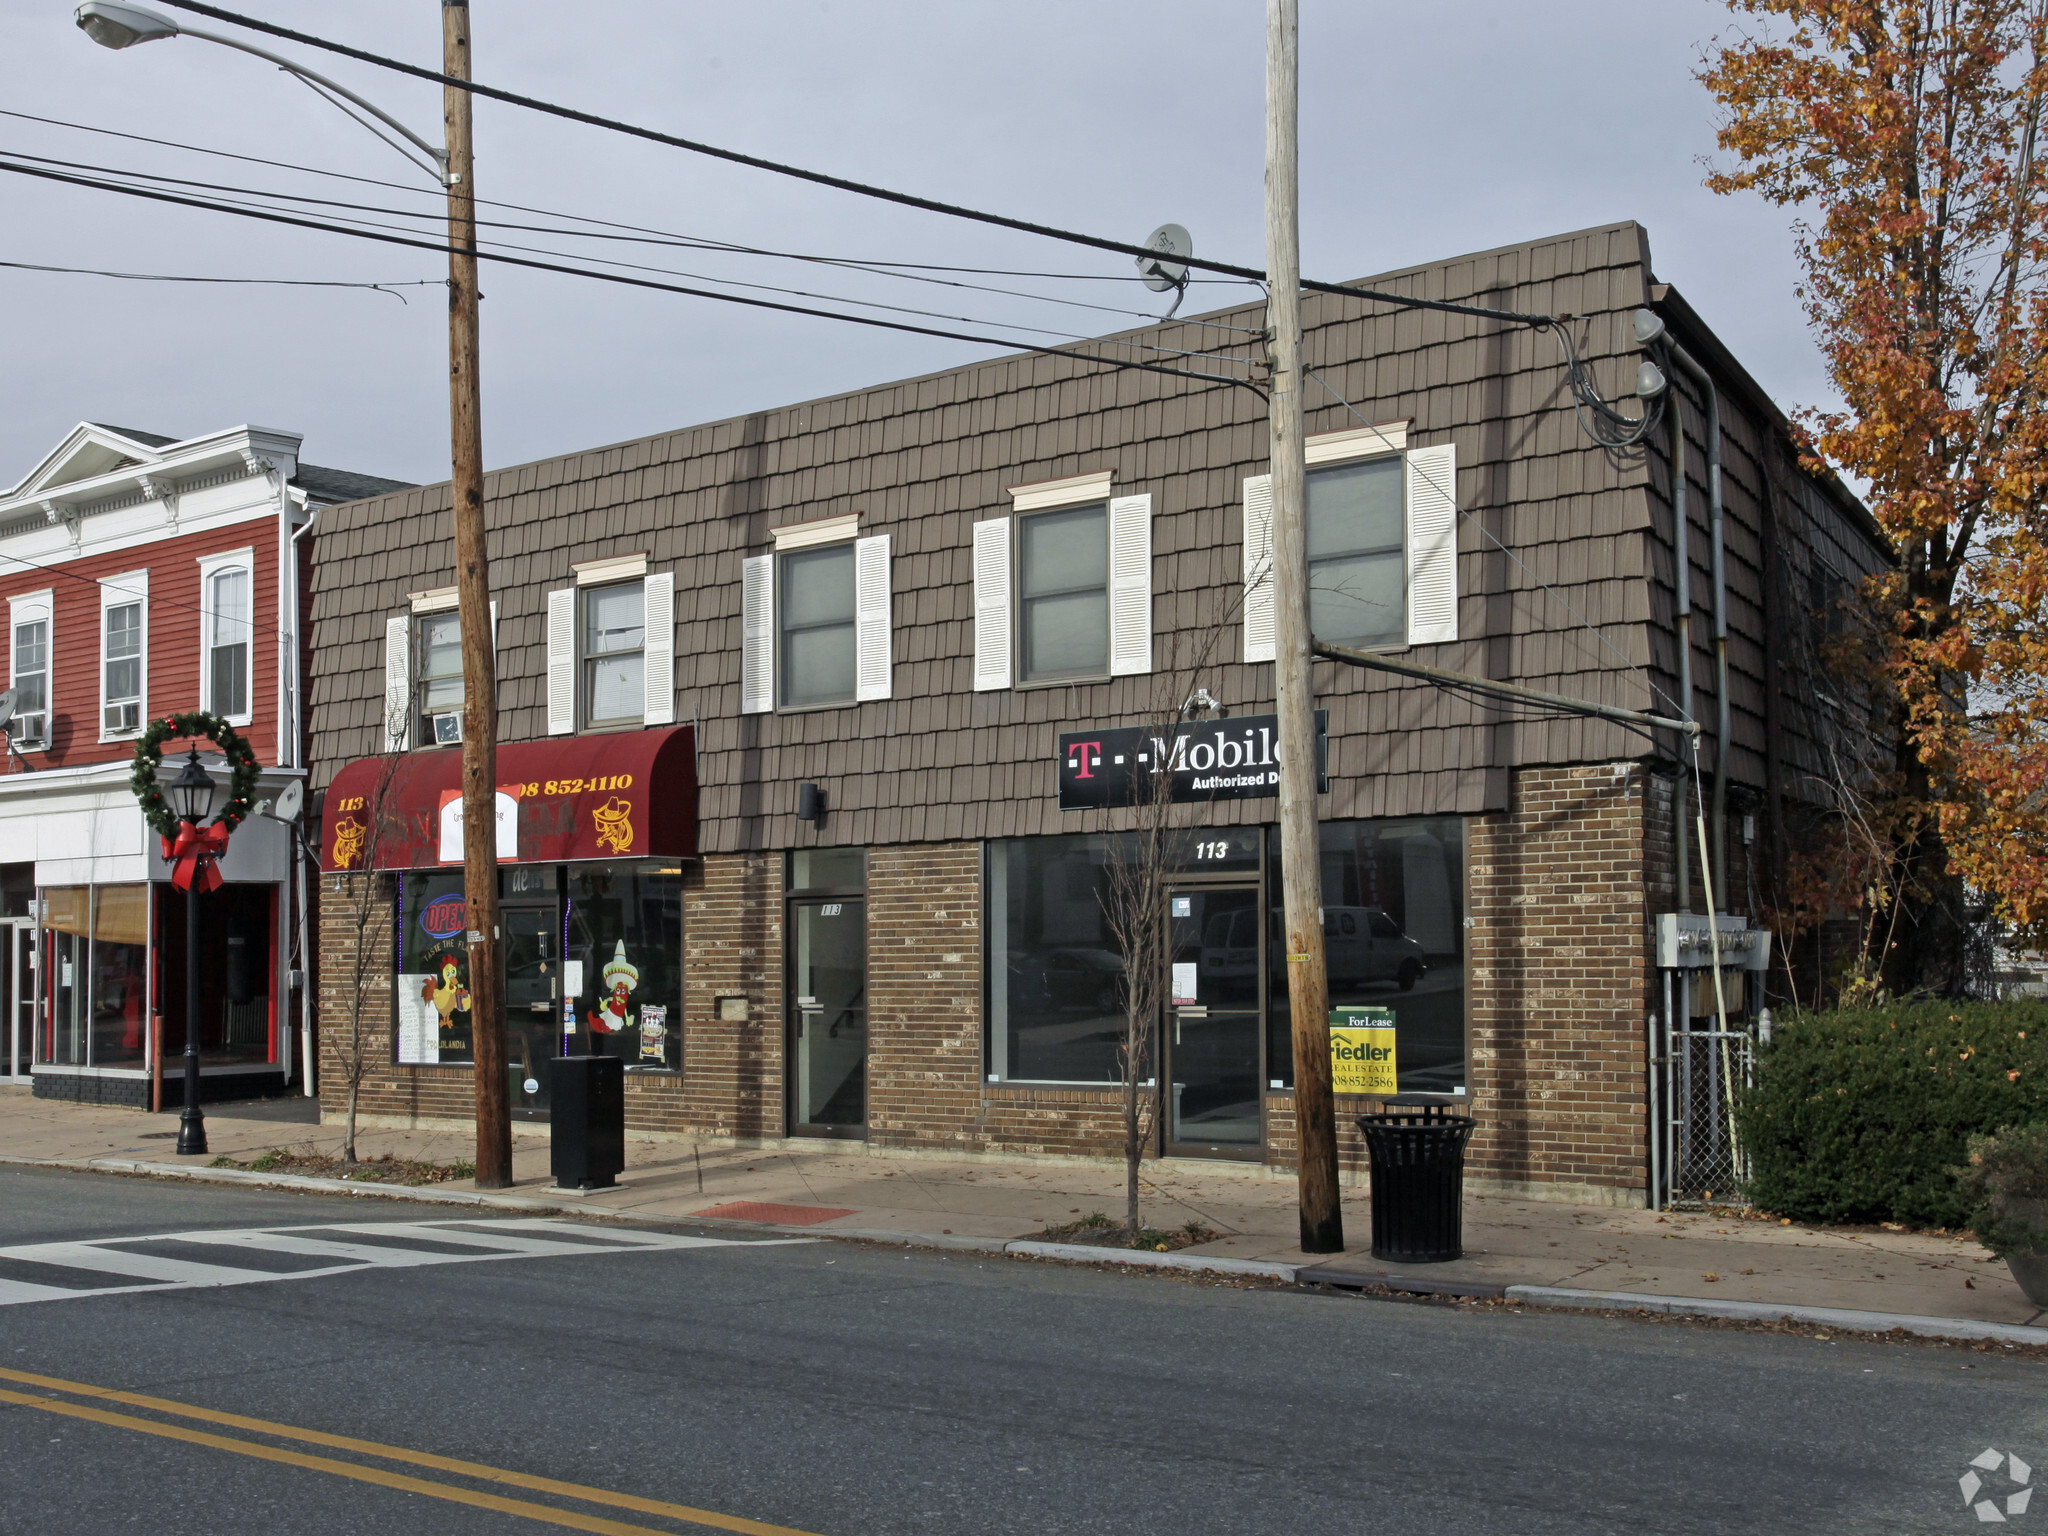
pixel 588 1148
pixel 1418 1180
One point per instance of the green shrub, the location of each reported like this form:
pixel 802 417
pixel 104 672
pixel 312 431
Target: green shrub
pixel 1861 1115
pixel 2006 1183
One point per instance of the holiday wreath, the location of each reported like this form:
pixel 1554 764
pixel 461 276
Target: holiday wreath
pixel 149 760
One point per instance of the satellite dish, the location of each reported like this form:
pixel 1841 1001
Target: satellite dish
pixel 7 702
pixel 1161 271
pixel 288 802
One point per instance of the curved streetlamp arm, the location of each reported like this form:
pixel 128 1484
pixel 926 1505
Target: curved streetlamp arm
pixel 439 156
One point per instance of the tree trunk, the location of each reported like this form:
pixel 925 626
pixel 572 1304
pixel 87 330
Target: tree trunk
pixel 348 1135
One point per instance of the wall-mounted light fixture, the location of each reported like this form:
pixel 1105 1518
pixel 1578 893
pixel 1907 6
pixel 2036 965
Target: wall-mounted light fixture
pixel 810 804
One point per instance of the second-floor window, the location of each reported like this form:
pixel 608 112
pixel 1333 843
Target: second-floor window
pixel 439 684
pixel 1063 594
pixel 1357 586
pixel 228 629
pixel 121 668
pixel 816 619
pixel 31 682
pixel 614 654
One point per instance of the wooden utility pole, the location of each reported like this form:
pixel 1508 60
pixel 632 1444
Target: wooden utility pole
pixel 1308 985
pixel 473 598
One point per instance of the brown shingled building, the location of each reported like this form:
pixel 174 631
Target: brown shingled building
pixel 889 606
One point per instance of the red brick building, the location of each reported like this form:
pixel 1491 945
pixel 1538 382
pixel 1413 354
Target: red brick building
pixel 144 575
pixel 794 702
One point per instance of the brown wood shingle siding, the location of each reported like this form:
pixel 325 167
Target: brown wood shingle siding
pixel 924 458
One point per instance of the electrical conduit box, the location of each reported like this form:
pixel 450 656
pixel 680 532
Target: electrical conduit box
pixel 1689 941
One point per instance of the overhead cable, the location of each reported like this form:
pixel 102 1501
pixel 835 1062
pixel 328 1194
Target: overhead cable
pixel 840 183
pixel 224 203
pixel 271 217
pixel 275 282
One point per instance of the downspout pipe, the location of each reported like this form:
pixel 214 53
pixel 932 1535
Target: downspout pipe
pixel 1718 817
pixel 305 966
pixel 1681 552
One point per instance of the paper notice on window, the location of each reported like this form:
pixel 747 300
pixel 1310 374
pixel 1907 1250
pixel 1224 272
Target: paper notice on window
pixel 572 978
pixel 1184 982
pixel 419 1026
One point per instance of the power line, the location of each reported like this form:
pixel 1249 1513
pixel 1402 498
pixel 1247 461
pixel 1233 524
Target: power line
pixel 226 204
pixel 870 263
pixel 620 278
pixel 821 178
pixel 278 282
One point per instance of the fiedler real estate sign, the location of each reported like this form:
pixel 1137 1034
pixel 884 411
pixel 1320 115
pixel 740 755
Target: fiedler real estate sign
pixel 1205 760
pixel 1362 1051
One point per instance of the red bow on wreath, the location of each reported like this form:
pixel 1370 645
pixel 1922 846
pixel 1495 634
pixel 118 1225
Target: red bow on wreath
pixel 193 855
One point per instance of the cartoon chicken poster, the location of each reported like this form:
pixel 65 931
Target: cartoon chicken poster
pixel 620 976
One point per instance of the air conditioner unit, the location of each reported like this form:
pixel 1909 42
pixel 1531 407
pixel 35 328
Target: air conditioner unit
pixel 27 730
pixel 447 729
pixel 121 718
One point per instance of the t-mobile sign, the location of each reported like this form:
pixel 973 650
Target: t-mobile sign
pixel 1203 760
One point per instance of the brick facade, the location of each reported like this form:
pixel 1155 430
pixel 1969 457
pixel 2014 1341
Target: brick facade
pixel 1560 888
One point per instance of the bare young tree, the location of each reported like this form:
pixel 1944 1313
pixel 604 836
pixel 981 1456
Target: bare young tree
pixel 1141 865
pixel 365 892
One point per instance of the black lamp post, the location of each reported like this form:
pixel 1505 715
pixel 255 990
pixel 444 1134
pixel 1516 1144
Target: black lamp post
pixel 192 797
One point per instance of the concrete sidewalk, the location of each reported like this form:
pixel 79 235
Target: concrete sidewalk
pixel 1712 1264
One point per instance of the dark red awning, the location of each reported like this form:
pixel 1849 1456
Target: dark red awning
pixel 629 796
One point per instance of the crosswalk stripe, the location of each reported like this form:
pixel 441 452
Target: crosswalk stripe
pixel 512 1238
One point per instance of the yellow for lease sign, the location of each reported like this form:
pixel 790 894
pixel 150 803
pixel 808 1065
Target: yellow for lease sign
pixel 1362 1050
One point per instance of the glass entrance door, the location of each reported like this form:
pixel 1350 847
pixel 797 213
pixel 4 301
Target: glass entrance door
pixel 17 997
pixel 828 1017
pixel 1214 1022
pixel 533 1003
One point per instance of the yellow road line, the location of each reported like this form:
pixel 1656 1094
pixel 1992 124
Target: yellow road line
pixel 461 1468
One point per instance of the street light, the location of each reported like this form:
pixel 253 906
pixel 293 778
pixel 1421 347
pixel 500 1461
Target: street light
pixel 123 26
pixel 113 24
pixel 192 797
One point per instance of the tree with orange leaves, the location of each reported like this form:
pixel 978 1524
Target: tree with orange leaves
pixel 1911 130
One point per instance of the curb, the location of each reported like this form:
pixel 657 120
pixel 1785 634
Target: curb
pixel 1844 1318
pixel 1549 1296
pixel 1087 1253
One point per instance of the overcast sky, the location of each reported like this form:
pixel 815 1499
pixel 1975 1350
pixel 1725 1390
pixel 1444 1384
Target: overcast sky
pixel 1427 131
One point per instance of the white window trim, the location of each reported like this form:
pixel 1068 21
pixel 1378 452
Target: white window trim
pixel 823 530
pixel 27 608
pixel 1356 443
pixel 116 592
pixel 433 600
pixel 1074 490
pixel 209 567
pixel 611 569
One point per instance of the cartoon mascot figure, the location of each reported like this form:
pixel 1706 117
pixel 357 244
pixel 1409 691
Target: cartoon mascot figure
pixel 447 994
pixel 620 976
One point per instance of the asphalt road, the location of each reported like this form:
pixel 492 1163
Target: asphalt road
pixel 850 1391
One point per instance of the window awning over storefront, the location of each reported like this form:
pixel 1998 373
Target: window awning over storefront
pixel 627 796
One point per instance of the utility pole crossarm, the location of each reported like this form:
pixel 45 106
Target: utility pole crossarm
pixel 1513 691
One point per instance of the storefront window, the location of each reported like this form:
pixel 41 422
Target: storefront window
pixel 236 972
pixel 1394 937
pixel 96 956
pixel 120 975
pixel 1055 973
pixel 433 969
pixel 623 963
pixel 67 930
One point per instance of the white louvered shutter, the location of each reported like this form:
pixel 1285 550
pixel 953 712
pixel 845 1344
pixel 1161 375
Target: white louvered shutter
pixel 562 662
pixel 397 732
pixel 871 617
pixel 1432 545
pixel 1130 585
pixel 757 635
pixel 1261 607
pixel 992 604
pixel 658 648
